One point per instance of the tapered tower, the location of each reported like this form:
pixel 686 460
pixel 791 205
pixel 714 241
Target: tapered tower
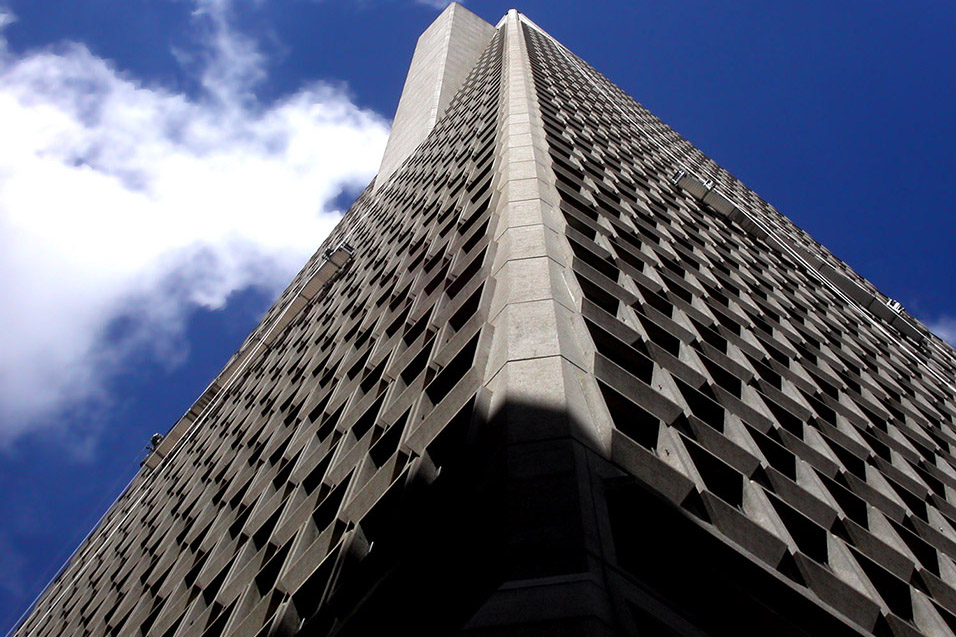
pixel 555 372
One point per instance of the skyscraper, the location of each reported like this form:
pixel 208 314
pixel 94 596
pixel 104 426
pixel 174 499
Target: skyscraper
pixel 555 372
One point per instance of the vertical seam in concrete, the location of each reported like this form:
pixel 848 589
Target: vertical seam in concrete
pixel 540 349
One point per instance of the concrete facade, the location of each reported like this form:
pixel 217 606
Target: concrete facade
pixel 444 56
pixel 558 374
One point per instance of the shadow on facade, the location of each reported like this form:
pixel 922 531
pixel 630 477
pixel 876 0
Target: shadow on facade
pixel 546 537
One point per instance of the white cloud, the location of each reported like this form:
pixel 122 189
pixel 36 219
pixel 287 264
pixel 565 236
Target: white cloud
pixel 945 328
pixel 125 201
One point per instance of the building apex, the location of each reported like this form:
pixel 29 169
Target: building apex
pixel 444 55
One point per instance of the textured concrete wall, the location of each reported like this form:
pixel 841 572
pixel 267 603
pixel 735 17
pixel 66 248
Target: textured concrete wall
pixel 539 335
pixel 445 54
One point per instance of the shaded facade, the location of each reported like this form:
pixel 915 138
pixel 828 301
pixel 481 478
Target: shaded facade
pixel 557 373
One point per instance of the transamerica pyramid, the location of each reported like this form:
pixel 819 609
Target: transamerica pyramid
pixel 554 373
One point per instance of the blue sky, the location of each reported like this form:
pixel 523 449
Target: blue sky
pixel 166 166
